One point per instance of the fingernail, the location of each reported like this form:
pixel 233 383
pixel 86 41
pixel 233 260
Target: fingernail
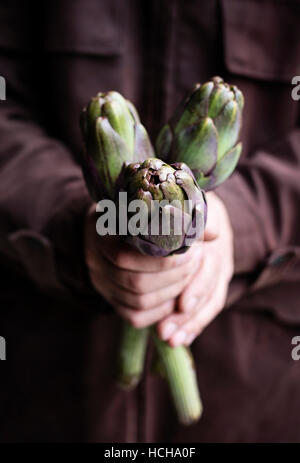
pixel 190 304
pixel 167 330
pixel 179 338
pixel 190 338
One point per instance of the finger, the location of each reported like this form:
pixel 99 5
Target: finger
pixel 211 231
pixel 170 324
pixel 176 322
pixel 143 319
pixel 196 323
pixel 144 283
pixel 140 302
pixel 144 302
pixel 127 257
pixel 201 286
pixel 210 234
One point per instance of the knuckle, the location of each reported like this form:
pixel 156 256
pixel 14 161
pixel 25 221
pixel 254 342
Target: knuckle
pixel 130 280
pixel 147 301
pixel 166 263
pixel 152 300
pixel 138 283
pixel 141 301
pixel 120 260
pixel 120 277
pixel 137 321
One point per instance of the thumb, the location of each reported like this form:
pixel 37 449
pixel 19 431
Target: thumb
pixel 211 231
pixel 210 234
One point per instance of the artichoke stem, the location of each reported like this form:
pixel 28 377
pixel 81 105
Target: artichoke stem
pixel 132 355
pixel 181 377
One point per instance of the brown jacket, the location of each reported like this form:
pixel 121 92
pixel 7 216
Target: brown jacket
pixel 62 338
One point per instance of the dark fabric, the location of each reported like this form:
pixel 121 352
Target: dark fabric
pixel 57 383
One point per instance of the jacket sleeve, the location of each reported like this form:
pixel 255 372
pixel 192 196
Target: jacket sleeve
pixel 43 198
pixel 262 198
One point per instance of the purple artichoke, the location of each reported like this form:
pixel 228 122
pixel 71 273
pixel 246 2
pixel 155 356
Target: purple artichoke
pixel 174 212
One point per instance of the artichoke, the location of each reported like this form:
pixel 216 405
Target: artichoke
pixel 175 208
pixel 113 135
pixel 119 157
pixel 204 131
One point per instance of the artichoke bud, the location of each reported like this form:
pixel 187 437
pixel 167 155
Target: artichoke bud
pixel 144 196
pixel 197 106
pixel 197 145
pixel 113 136
pixel 152 163
pixel 171 185
pixel 218 99
pixel 116 154
pixel 156 192
pixel 204 130
pixel 133 112
pixel 172 192
pixel 238 96
pixel 228 125
pixel 121 121
pixel 94 110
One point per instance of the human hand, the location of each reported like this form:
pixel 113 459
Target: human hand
pixel 142 289
pixel 205 295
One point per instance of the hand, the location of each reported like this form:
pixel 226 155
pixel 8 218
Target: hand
pixel 142 289
pixel 205 295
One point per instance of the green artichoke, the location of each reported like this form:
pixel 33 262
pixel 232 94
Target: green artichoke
pixel 116 159
pixel 204 131
pixel 113 135
pixel 180 213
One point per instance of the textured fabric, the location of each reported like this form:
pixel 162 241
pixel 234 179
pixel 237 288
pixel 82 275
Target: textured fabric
pixel 62 338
